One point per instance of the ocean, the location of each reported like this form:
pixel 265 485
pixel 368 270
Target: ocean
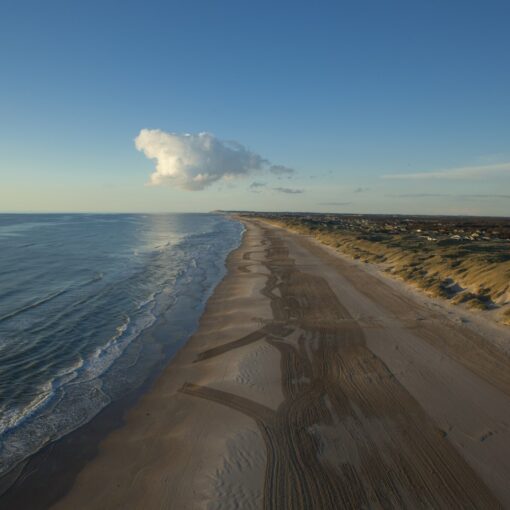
pixel 90 305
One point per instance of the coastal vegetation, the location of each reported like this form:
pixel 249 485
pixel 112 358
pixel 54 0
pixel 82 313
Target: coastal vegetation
pixel 463 260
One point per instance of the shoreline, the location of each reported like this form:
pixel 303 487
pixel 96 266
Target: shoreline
pixel 205 435
pixel 166 415
pixel 47 474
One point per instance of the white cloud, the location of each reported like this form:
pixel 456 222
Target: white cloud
pixel 195 161
pixel 465 172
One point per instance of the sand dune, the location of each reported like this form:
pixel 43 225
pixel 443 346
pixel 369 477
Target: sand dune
pixel 474 273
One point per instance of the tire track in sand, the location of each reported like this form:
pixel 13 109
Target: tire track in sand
pixel 347 434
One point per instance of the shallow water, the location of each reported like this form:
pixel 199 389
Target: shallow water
pixel 79 295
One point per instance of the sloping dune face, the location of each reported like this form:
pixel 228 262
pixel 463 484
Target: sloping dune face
pixel 469 269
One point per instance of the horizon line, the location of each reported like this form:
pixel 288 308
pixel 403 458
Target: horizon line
pixel 232 211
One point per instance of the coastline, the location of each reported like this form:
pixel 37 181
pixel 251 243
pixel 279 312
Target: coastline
pixel 163 431
pixel 48 473
pixel 87 330
pixel 390 401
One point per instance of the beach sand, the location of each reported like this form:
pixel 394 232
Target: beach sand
pixel 313 383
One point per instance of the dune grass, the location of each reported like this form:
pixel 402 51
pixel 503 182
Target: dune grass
pixel 475 274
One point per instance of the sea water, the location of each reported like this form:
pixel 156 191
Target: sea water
pixel 79 296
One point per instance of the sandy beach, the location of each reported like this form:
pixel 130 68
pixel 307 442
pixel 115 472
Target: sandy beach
pixel 314 383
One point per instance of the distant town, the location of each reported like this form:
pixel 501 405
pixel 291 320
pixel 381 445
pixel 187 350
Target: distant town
pixel 378 226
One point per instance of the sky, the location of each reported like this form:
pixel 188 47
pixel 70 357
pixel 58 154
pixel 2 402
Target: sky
pixel 178 106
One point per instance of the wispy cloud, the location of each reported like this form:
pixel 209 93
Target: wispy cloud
pixel 335 203
pixel 257 187
pixel 450 195
pixel 361 190
pixel 482 195
pixel 281 171
pixel 290 191
pixel 195 161
pixel 465 172
pixel 416 195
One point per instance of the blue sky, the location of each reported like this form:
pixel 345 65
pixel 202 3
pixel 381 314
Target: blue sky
pixel 371 103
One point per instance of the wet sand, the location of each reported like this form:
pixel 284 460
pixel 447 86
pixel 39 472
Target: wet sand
pixel 313 384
